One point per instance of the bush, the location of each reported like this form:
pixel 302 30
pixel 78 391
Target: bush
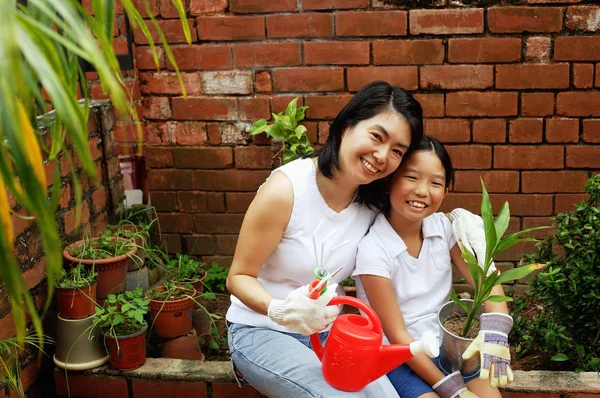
pixel 567 293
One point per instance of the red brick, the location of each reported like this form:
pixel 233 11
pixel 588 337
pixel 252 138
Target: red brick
pixel 226 244
pixel 266 54
pixel 158 158
pixel 452 77
pixel 432 104
pixel 565 202
pixel 582 395
pixel 449 130
pixel 336 53
pixel 202 57
pixel 538 49
pixel 160 388
pixel 156 108
pixel 583 75
pixel 153 5
pixel 213 108
pixel 203 158
pixel 254 108
pixel 191 202
pixel 333 4
pixel 370 23
pixel 468 201
pixel 308 79
pixel 598 75
pixel 259 6
pixel 164 201
pixel 533 222
pixel 188 133
pixel 215 202
pixel 403 76
pixel 162 83
pixel 578 104
pixel 537 104
pixel 577 48
pixel 524 19
pixel 145 60
pixel 238 202
pixel 553 181
pixel 553 1
pixel 300 25
pixel 591 130
pixel 214 133
pixel 495 181
pixel 226 82
pixel 230 180
pixel 446 22
pixel 70 219
pixel 225 28
pixel 224 261
pixel 180 223
pixel 172 29
pixel 525 130
pixel 199 7
pixel 470 156
pixel 253 157
pixel 171 241
pixel 488 50
pixel 529 157
pixel 323 128
pixel 562 130
pixel 199 245
pixel 218 223
pixel 263 83
pixel 325 107
pixel 157 134
pixel 511 394
pixel 585 18
pixel 89 385
pixel 489 130
pixel 170 180
pixel 472 103
pixel 583 157
pixel 532 76
pixel 168 9
pixel 279 103
pixel 524 205
pixel 411 52
pixel 233 391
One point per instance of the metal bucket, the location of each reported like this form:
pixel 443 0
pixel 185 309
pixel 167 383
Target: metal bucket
pixel 453 346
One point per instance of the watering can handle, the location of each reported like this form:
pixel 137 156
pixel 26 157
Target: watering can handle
pixel 361 305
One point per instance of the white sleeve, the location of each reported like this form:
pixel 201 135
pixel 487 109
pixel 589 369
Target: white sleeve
pixel 371 259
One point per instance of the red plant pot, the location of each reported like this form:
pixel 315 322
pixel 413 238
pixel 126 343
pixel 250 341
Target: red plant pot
pixel 129 353
pixel 171 318
pixel 112 272
pixel 76 303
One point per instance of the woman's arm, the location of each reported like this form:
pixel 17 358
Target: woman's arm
pixel 262 229
pixel 383 300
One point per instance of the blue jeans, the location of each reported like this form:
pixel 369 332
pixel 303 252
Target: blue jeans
pixel 282 365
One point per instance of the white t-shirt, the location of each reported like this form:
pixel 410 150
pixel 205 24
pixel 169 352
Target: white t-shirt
pixel 292 262
pixel 421 285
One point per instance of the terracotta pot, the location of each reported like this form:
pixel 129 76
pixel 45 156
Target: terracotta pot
pixel 200 321
pixel 184 347
pixel 112 272
pixel 76 303
pixel 171 318
pixel 78 345
pixel 127 352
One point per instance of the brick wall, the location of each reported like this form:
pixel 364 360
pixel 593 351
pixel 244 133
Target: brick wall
pixel 97 207
pixel 512 91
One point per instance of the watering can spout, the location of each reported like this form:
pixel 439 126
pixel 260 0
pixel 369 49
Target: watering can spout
pixel 394 355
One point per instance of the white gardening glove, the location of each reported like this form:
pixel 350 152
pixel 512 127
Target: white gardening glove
pixel 453 386
pixel 301 314
pixel 468 232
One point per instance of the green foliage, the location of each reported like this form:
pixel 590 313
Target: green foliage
pixel 568 292
pixel 184 269
pixel 285 125
pixel 123 313
pixel 484 278
pixel 348 282
pixel 107 245
pixel 76 277
pixel 216 276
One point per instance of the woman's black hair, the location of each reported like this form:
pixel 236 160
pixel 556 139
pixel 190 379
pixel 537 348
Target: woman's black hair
pixel 371 100
pixel 429 143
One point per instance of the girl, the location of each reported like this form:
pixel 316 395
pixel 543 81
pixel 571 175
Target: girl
pixel 403 268
pixel 300 206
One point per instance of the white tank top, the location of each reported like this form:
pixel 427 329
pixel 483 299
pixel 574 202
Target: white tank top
pixel 292 262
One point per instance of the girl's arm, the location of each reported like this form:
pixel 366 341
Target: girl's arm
pixel 463 268
pixel 262 229
pixel 383 300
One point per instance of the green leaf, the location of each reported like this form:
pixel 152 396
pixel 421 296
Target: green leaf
pixel 520 272
pixel 488 224
pixel 501 222
pixel 257 125
pixel 290 109
pixel 499 299
pixel 559 358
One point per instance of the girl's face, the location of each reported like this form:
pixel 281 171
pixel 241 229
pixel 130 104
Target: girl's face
pixel 419 186
pixel 374 147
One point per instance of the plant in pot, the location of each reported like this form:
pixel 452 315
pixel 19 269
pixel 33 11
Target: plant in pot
pixel 171 306
pixel 458 317
pixel 122 323
pixel 136 224
pixel 185 270
pixel 76 292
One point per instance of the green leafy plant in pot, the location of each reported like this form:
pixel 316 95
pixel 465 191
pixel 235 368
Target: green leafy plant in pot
pixel 76 292
pixel 485 278
pixel 171 306
pixel 186 270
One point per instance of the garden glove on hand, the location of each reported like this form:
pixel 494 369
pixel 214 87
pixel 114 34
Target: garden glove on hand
pixel 492 344
pixel 468 232
pixel 453 386
pixel 301 314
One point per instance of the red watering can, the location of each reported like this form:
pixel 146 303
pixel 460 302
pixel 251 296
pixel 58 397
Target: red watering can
pixel 353 355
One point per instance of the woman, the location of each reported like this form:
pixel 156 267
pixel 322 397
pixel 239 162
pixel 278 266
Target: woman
pixel 301 213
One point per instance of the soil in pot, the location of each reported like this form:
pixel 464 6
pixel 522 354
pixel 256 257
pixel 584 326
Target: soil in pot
pixel 456 322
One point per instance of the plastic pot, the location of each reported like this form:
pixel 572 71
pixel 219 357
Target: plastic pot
pixel 171 318
pixel 78 345
pixel 76 303
pixel 127 352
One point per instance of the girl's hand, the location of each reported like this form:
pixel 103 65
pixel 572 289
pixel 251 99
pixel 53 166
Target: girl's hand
pixel 469 233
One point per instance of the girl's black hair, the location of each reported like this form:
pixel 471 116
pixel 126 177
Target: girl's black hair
pixel 429 143
pixel 371 100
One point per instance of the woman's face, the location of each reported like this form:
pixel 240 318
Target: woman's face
pixel 374 147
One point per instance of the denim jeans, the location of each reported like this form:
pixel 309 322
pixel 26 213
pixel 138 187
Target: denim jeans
pixel 282 365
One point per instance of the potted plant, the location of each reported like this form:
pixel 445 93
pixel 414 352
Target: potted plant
pixel 171 307
pixel 455 338
pixel 122 323
pixel 183 269
pixel 76 292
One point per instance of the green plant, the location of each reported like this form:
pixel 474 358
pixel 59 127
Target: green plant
pixel 184 269
pixel 484 278
pixel 215 279
pixel 568 291
pixel 122 314
pixel 76 277
pixel 285 125
pixel 42 46
pixel 170 290
pixel 348 282
pixel 107 245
